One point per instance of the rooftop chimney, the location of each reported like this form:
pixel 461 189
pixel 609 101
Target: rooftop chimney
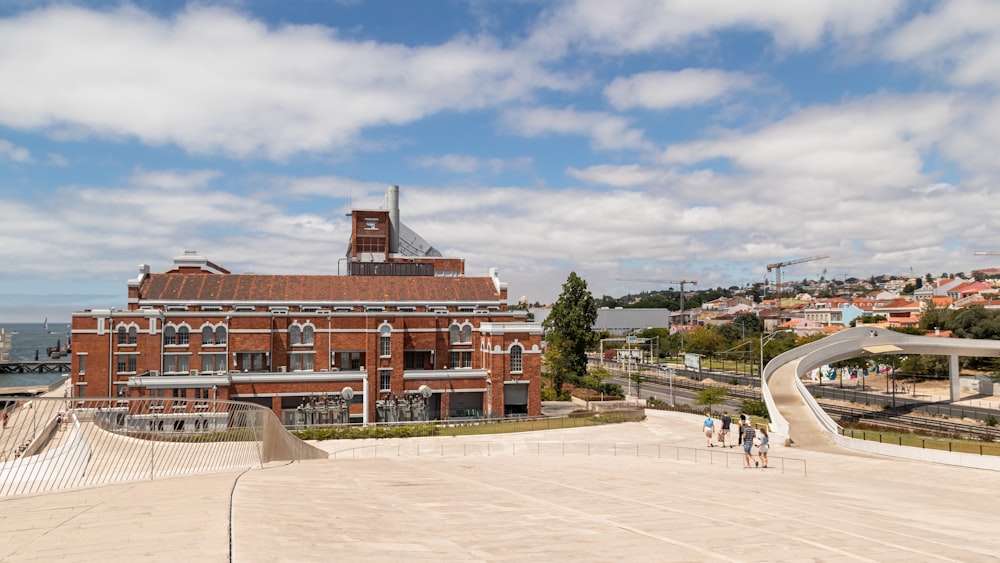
pixel 392 198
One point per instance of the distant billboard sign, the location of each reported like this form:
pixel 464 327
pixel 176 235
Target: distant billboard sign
pixel 692 361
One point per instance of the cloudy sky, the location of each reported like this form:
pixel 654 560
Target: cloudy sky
pixel 635 139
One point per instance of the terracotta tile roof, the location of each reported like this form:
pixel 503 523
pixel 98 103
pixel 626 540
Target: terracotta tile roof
pixel 942 301
pixel 899 304
pixel 303 288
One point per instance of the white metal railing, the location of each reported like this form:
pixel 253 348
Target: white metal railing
pixel 415 448
pixel 51 444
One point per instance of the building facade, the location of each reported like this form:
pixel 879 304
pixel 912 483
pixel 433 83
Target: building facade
pixel 404 337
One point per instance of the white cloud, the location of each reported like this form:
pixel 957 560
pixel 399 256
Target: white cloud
pixel 666 90
pixel 606 132
pixel 958 39
pixel 624 176
pixel 13 152
pixel 627 26
pixel 213 80
pixel 469 164
pixel 873 143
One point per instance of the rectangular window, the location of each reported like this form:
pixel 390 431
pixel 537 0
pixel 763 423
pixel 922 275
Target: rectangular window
pixel 250 361
pixel 371 224
pixel 200 396
pixel 126 363
pixel 175 363
pixel 347 361
pixel 461 360
pixel 213 362
pixel 82 363
pixel 385 380
pixel 418 359
pixel 385 346
pixel 301 362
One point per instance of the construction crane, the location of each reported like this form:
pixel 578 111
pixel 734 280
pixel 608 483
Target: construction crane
pixel 777 266
pixel 681 283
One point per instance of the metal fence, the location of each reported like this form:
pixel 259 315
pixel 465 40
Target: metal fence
pixel 615 449
pixel 992 449
pixel 49 444
pixel 980 410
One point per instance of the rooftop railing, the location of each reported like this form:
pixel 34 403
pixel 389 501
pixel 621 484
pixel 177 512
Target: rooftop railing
pixel 50 444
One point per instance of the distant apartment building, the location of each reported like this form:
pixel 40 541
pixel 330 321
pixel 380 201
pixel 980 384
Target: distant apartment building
pixel 405 328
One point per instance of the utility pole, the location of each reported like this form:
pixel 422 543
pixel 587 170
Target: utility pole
pixel 681 283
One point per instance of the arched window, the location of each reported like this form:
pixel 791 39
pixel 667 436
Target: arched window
pixel 122 335
pixel 221 335
pixel 206 335
pixel 307 334
pixel 385 341
pixel 515 358
pixel 467 333
pixel 133 334
pixel 183 336
pixel 294 335
pixel 454 334
pixel 169 335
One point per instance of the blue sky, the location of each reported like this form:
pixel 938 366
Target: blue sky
pixel 659 140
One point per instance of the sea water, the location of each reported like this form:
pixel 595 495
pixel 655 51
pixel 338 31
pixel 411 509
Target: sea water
pixel 29 338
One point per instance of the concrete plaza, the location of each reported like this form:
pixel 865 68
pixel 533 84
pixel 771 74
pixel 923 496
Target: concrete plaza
pixel 489 498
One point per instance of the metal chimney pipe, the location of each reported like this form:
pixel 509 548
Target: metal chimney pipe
pixel 393 197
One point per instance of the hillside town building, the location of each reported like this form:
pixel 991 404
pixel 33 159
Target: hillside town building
pixel 405 335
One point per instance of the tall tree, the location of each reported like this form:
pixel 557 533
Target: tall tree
pixel 568 331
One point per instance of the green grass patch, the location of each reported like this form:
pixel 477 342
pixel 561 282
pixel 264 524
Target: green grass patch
pixel 575 420
pixel 976 447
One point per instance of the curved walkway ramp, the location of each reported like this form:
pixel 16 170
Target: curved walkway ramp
pixel 52 444
pixel 797 418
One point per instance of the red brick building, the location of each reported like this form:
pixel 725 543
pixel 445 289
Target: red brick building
pixel 404 336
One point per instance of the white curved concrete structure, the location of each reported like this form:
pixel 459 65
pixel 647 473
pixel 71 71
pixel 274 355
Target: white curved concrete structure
pixel 798 419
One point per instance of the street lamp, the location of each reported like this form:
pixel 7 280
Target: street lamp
pixel 764 339
pixel 671 372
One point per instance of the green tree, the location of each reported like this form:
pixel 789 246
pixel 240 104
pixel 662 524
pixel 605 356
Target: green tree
pixel 704 341
pixel 568 331
pixel 710 396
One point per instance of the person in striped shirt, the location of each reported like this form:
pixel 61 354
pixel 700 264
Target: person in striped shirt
pixel 748 435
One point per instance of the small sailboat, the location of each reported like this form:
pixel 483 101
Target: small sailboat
pixel 46 325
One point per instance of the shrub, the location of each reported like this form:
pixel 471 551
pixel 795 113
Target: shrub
pixel 549 394
pixel 991 420
pixel 654 402
pixel 353 433
pixel 755 408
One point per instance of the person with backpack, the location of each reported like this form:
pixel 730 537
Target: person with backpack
pixel 708 428
pixel 744 421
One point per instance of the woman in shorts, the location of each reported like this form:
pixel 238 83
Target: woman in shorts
pixel 762 449
pixel 709 428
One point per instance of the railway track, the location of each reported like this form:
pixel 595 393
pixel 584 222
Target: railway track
pixel 909 422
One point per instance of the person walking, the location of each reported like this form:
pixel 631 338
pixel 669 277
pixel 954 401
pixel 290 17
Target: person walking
pixel 744 420
pixel 708 427
pixel 762 449
pixel 5 419
pixel 748 436
pixel 724 431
